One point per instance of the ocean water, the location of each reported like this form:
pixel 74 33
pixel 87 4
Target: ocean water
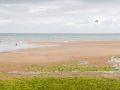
pixel 75 36
pixel 8 41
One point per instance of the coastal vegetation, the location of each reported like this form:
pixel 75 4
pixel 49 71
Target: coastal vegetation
pixel 70 66
pixel 60 83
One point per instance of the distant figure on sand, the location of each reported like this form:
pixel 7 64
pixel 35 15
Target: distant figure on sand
pixel 16 44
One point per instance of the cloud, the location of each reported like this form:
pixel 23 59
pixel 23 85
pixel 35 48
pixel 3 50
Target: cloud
pixel 40 1
pixel 59 15
pixel 35 9
pixel 4 21
pixel 102 1
pixel 22 1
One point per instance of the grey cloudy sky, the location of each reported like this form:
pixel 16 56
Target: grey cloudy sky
pixel 59 16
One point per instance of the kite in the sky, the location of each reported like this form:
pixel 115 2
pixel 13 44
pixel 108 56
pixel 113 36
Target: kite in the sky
pixel 96 21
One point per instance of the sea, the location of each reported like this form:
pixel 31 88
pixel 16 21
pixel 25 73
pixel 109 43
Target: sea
pixel 15 41
pixel 58 36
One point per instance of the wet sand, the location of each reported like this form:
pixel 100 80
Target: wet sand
pixel 96 53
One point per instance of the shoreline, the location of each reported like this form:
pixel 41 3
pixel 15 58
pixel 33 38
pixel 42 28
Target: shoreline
pixel 20 45
pixel 97 53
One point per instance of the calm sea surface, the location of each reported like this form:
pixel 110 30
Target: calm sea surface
pixel 16 36
pixel 8 41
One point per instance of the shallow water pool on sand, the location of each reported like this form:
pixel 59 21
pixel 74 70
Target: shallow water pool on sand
pixel 9 46
pixel 15 45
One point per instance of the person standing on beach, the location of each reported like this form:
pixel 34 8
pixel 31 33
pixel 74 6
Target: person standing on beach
pixel 16 44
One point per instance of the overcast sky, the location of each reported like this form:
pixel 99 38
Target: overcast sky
pixel 59 16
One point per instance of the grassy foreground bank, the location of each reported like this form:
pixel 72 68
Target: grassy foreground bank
pixel 60 83
pixel 68 66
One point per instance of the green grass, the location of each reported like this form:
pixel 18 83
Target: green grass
pixel 68 66
pixel 115 56
pixel 61 83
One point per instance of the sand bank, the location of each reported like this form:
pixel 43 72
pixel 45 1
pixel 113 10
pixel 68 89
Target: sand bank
pixel 95 52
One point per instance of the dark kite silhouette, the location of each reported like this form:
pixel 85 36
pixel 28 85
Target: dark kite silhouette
pixel 96 21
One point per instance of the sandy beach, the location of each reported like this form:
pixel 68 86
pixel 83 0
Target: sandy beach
pixel 96 53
